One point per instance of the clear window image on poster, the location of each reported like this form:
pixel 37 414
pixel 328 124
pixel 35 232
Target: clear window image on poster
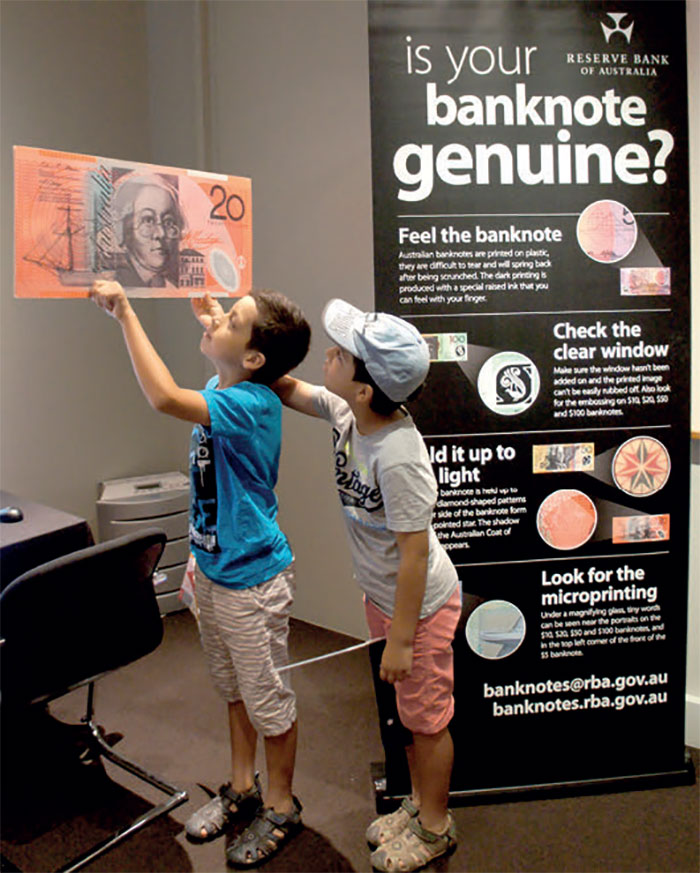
pixel 508 383
pixel 495 629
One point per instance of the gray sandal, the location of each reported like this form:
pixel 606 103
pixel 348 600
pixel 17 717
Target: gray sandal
pixel 212 819
pixel 389 826
pixel 265 836
pixel 414 848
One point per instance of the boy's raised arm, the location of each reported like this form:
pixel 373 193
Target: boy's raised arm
pixel 156 382
pixel 296 394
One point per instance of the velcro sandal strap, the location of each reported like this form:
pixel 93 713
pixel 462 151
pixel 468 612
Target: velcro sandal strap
pixel 449 837
pixel 409 806
pixel 231 797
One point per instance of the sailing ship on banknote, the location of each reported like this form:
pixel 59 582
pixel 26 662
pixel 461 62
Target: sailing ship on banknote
pixel 64 250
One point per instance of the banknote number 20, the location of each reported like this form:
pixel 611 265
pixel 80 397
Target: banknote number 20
pixel 238 208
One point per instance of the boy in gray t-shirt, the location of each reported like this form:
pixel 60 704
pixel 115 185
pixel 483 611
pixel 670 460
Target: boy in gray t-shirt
pixel 388 494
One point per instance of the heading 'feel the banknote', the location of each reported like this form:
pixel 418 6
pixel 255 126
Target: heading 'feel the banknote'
pixel 159 231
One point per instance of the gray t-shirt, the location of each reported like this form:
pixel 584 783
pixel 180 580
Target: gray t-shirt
pixel 386 484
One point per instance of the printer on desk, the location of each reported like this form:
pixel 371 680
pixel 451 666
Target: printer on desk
pixel 127 505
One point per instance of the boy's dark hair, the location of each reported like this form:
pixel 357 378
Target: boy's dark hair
pixel 380 403
pixel 281 333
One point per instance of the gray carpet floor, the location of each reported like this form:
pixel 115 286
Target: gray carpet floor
pixel 175 725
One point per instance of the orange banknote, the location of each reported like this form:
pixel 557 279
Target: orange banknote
pixel 159 231
pixel 640 528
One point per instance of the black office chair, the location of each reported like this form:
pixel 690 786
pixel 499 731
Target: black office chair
pixel 71 620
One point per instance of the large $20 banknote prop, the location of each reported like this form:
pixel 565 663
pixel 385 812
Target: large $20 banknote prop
pixel 159 231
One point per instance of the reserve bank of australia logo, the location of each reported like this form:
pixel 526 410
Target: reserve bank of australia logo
pixel 617 18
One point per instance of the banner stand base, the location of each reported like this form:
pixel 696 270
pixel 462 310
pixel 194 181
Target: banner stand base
pixel 386 801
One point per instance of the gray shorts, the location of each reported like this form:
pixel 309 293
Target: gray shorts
pixel 244 635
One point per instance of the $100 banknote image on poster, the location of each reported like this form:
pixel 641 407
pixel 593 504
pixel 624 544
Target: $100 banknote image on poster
pixel 159 231
pixel 530 178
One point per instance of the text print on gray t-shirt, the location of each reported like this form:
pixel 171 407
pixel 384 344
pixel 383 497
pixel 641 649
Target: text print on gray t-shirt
pixel 386 486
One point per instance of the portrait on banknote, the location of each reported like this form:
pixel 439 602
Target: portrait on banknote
pixel 149 226
pixel 159 231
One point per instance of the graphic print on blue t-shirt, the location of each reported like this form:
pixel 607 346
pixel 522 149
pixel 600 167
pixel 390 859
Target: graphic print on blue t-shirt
pixel 203 490
pixel 355 485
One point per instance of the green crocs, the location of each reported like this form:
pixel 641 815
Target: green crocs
pixel 414 848
pixel 386 827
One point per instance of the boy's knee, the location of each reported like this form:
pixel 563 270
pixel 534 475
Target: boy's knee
pixel 273 721
pixel 426 721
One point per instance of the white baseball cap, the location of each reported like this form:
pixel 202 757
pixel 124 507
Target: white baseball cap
pixel 393 351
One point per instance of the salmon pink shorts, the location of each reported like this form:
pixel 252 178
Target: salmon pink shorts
pixel 424 698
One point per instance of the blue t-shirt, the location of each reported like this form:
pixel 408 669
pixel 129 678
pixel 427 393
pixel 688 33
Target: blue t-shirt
pixel 233 472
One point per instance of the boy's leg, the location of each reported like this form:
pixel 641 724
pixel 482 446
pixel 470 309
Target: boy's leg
pixel 433 756
pixel 244 739
pixel 243 736
pixel 411 760
pixel 271 707
pixel 280 748
pixel 430 833
pixel 212 819
pixel 389 825
pixel 427 716
pixel 257 640
pixel 280 754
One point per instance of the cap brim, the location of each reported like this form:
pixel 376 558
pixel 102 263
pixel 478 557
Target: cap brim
pixel 340 321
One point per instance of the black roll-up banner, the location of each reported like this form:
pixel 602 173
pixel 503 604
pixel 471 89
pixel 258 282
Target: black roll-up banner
pixel 530 183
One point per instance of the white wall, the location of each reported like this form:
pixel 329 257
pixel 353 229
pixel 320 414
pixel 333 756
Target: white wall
pixel 75 77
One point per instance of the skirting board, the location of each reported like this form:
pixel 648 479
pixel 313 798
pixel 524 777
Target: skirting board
pixel 692 721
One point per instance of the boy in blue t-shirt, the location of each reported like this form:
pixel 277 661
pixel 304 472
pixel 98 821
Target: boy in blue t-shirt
pixel 244 578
